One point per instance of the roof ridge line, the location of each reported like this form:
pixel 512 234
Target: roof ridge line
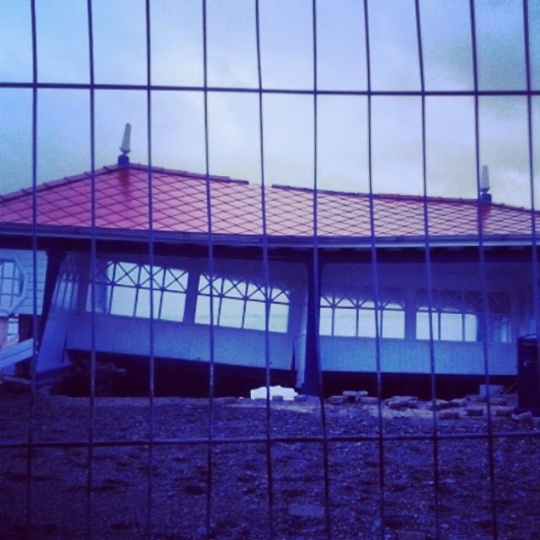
pixel 51 184
pixel 180 172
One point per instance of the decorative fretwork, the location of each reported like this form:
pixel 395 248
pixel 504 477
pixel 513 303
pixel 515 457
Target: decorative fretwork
pixel 129 288
pixel 240 303
pixel 455 315
pixel 356 313
pixel 11 286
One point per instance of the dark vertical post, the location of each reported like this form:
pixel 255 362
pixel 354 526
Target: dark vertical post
pixel 312 377
pixel 54 263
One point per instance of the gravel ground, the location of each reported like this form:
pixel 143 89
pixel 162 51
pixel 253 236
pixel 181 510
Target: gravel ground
pixel 162 492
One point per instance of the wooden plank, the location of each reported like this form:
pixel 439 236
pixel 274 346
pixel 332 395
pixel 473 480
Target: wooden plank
pixel 16 353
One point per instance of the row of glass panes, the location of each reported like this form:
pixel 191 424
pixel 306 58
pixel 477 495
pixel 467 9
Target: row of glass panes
pixel 142 291
pixel 11 282
pixel 239 303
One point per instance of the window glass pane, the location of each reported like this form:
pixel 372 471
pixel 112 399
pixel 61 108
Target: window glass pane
pixel 345 322
pixel 255 316
pixel 202 312
pixel 470 327
pixel 231 312
pixel 325 322
pixel 279 318
pixel 422 324
pixel 123 301
pixel 451 326
pixel 172 306
pixel 366 323
pixel 393 324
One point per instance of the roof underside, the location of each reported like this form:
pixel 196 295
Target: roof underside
pixel 182 202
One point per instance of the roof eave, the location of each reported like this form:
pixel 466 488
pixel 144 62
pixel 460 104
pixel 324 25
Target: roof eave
pixel 24 231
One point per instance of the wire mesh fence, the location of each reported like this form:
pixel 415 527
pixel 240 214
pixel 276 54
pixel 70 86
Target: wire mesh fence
pixel 376 275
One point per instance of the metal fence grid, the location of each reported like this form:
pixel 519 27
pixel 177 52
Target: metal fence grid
pixel 381 440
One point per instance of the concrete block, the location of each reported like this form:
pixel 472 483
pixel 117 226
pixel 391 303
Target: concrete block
pixel 438 405
pixel 474 411
pixel 504 411
pixel 336 400
pixel 398 402
pixel 498 401
pixel 354 395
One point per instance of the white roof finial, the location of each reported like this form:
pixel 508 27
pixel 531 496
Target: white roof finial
pixel 125 148
pixel 485 185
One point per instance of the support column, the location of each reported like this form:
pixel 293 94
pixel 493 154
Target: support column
pixel 312 376
pixel 54 263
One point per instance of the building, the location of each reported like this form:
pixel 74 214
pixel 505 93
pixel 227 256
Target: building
pixel 320 286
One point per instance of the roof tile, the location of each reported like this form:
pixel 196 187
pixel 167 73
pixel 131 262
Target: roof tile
pixel 179 204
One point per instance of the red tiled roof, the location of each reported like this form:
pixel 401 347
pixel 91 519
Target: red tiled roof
pixel 179 204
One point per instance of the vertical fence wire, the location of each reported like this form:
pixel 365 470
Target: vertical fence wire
pixel 211 271
pixel 429 275
pixel 530 156
pixel 483 277
pixel 33 371
pixel 151 260
pixel 91 277
pixel 375 278
pixel 266 279
pixel 316 279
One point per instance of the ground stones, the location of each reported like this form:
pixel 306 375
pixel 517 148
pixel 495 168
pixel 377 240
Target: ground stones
pixel 474 410
pixel 449 414
pixel 471 406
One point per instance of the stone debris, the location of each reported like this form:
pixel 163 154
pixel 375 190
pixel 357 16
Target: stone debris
pixel 459 402
pixel 449 414
pixel 525 419
pixel 398 402
pixel 336 400
pixel 354 395
pixel 278 398
pixel 498 402
pixel 504 411
pixel 438 404
pixel 306 510
pixel 369 400
pixel 300 398
pixel 474 411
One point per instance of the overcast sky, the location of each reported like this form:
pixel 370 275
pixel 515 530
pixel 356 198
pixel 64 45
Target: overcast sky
pixel 287 62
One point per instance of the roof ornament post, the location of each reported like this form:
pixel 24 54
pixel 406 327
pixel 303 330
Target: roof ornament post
pixel 125 148
pixel 485 196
